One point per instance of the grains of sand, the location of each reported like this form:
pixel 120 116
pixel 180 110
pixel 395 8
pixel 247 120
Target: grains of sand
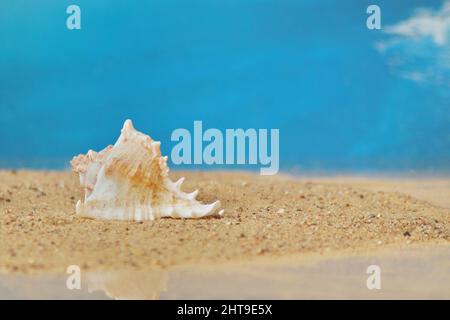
pixel 264 216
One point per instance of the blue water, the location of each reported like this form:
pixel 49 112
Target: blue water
pixel 309 68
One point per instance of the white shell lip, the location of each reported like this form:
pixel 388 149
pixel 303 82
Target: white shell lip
pixel 129 181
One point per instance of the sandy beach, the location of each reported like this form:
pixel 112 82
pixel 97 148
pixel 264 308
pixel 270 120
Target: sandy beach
pixel 265 218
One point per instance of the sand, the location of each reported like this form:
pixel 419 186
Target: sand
pixel 267 217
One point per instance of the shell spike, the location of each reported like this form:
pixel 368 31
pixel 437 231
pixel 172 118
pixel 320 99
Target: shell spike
pixel 179 183
pixel 128 125
pixel 205 210
pixel 192 195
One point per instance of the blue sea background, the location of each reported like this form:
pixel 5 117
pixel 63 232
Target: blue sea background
pixel 310 68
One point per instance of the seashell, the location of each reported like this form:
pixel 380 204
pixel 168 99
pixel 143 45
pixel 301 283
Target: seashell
pixel 130 181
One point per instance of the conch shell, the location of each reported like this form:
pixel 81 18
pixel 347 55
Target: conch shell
pixel 129 181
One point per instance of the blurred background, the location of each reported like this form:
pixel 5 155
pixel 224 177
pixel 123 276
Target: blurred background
pixel 344 97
